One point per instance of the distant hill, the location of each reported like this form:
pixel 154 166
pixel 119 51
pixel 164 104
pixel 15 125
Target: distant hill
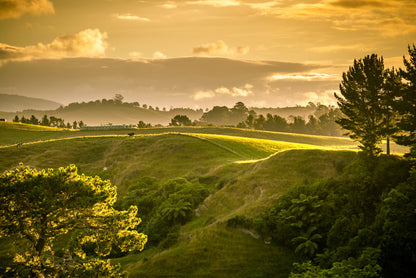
pixel 13 103
pixel 102 113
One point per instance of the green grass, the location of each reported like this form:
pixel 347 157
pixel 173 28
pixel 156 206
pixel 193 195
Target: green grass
pixel 13 133
pixel 274 162
pixel 215 251
pixel 206 247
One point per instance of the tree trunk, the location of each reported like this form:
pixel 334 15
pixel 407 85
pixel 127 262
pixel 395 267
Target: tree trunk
pixel 388 145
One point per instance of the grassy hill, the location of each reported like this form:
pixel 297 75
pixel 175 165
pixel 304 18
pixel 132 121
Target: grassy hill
pixel 13 133
pixel 249 169
pixel 12 103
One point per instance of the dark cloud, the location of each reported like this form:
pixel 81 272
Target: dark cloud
pixel 360 3
pixel 219 48
pixel 168 82
pixel 16 8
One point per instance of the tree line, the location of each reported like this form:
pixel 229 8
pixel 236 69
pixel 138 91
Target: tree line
pixel 323 124
pixel 48 121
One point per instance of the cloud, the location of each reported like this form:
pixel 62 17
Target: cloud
pixel 203 95
pixel 215 3
pixel 159 55
pixel 169 5
pixel 87 43
pixel 219 48
pixel 242 91
pixel 130 17
pixel 337 47
pixel 313 76
pixel 16 8
pixel 325 97
pixel 177 82
pixel 263 6
pixel 390 18
pixel 135 54
pixel 355 4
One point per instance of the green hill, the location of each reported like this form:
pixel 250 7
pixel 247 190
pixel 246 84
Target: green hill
pixel 13 133
pixel 247 174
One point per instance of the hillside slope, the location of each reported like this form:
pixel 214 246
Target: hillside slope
pixel 207 247
pixel 248 173
pixel 13 103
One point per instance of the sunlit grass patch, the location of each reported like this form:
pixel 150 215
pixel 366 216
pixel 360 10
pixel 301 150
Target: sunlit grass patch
pixel 20 126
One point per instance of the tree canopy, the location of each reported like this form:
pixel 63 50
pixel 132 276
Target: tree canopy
pixel 362 102
pixel 406 103
pixel 180 120
pixel 40 210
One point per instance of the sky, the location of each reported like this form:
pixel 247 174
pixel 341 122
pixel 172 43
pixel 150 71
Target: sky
pixel 195 53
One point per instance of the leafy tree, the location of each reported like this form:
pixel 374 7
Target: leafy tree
pixel 74 125
pixel 141 124
pixel 362 91
pixel 406 104
pixel 398 216
pixel 239 112
pixel 33 120
pixel 118 99
pixel 250 120
pixel 219 115
pixel 298 125
pixel 176 209
pixel 259 122
pixel 45 121
pixel 180 120
pixel 16 119
pixel 40 208
pixel 306 243
pixel 327 124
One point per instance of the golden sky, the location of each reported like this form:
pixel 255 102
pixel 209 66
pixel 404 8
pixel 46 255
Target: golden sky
pixel 195 53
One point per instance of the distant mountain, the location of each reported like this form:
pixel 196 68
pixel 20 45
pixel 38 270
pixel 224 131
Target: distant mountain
pixel 13 103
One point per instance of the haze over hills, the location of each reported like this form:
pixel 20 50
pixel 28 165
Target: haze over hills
pixel 103 112
pixel 13 103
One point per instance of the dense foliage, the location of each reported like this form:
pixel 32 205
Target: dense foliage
pixel 322 123
pixel 360 225
pixel 406 102
pixel 377 104
pixel 48 121
pixel 362 102
pixel 42 209
pixel 180 120
pixel 222 115
pixel 164 207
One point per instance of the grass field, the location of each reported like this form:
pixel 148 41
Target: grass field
pixel 13 133
pixel 250 170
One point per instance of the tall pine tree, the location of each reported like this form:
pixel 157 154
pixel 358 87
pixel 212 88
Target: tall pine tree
pixel 362 103
pixel 406 104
